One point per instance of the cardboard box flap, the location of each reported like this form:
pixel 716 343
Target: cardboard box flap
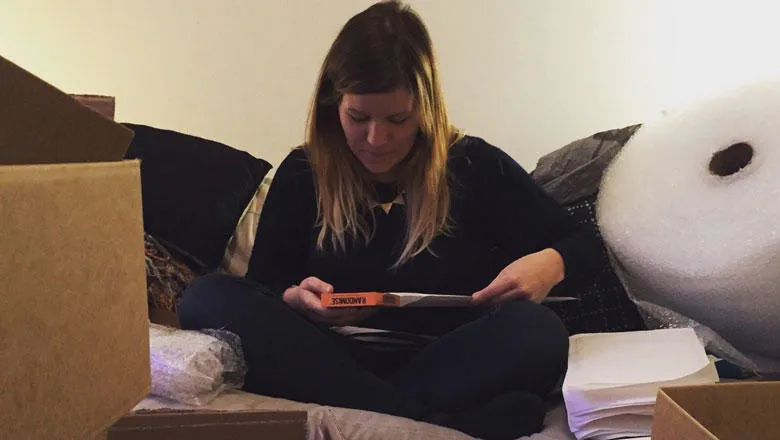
pixel 728 411
pixel 672 422
pixel 42 125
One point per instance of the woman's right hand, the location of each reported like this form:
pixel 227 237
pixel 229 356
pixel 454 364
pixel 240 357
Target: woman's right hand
pixel 305 298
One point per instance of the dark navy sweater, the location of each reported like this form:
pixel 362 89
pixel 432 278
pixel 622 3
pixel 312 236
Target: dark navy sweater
pixel 497 213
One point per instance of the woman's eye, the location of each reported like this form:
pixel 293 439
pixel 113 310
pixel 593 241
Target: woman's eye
pixel 398 121
pixel 358 119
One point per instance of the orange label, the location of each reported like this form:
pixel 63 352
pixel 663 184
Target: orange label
pixel 357 299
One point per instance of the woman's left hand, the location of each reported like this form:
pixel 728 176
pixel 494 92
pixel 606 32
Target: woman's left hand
pixel 530 277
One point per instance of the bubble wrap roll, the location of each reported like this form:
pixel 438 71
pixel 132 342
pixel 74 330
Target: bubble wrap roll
pixel 194 367
pixel 689 210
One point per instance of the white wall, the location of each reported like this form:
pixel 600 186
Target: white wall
pixel 527 75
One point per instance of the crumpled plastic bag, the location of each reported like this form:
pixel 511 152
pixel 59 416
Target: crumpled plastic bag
pixel 194 367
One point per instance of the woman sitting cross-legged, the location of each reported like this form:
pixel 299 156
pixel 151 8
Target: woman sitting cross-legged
pixel 385 195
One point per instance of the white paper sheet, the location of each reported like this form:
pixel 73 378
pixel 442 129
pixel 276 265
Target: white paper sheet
pixel 613 378
pixel 614 359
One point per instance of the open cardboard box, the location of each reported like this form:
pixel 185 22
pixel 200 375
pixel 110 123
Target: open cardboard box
pixel 74 325
pixel 725 411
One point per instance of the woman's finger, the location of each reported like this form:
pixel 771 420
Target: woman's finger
pixel 316 286
pixel 495 289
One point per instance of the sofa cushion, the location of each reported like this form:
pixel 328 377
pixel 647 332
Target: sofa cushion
pixel 572 176
pixel 194 190
pixel 604 305
pixel 239 248
pixel 573 172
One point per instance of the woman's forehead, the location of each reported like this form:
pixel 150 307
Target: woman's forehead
pixel 379 104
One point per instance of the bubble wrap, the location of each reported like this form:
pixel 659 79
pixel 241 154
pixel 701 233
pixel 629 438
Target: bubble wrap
pixel 689 209
pixel 659 317
pixel 194 367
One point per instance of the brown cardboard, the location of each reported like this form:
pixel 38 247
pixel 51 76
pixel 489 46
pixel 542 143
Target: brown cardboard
pixel 105 105
pixel 242 425
pixel 726 411
pixel 41 124
pixel 74 347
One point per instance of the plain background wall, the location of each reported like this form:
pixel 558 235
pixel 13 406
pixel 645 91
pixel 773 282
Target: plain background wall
pixel 527 75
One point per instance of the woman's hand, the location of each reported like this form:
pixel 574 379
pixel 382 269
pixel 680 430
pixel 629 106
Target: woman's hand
pixel 305 298
pixel 530 277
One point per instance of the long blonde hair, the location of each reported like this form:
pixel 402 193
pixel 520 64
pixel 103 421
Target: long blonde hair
pixel 385 47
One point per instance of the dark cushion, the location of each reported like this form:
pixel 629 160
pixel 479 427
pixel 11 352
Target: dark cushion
pixel 194 190
pixel 604 306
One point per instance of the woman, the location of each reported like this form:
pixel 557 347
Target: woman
pixel 386 196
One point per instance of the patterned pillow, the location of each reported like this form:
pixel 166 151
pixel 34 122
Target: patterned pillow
pixel 604 306
pixel 168 272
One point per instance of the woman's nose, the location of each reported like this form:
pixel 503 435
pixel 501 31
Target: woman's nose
pixel 378 134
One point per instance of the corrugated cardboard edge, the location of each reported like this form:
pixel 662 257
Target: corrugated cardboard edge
pixel 672 422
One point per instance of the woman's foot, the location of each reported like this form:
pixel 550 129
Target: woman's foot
pixel 508 416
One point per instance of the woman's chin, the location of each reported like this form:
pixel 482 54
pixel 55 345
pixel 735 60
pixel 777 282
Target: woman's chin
pixel 382 172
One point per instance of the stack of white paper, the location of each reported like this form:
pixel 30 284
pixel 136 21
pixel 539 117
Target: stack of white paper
pixel 613 378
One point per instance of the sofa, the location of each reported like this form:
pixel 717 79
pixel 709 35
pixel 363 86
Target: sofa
pixel 199 218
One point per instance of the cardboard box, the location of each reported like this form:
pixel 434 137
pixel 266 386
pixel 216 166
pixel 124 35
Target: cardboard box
pixel 74 324
pixel 105 105
pixel 235 425
pixel 74 341
pixel 726 411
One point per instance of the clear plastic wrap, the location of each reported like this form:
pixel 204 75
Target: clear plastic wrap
pixel 194 367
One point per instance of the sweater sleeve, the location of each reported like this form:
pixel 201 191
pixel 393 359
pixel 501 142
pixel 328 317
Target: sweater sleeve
pixel 284 230
pixel 525 219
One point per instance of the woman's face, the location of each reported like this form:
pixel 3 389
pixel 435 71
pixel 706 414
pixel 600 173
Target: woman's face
pixel 381 129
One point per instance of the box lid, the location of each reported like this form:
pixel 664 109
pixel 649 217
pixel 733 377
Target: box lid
pixel 44 125
pixel 726 411
pixel 74 347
